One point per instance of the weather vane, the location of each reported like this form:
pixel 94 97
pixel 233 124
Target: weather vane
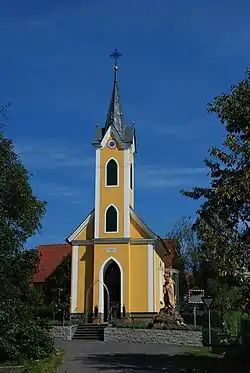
pixel 115 56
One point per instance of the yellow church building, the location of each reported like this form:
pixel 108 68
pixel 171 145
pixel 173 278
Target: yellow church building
pixel 116 257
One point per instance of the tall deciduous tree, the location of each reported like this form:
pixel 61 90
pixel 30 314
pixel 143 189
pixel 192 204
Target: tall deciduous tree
pixel 20 218
pixel 21 333
pixel 186 241
pixel 224 217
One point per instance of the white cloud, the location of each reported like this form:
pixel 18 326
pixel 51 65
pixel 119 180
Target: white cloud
pixel 53 191
pixel 163 177
pixel 64 191
pixel 52 154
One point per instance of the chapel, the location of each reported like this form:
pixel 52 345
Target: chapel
pixel 116 257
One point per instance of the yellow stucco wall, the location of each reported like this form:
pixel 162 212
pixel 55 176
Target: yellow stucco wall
pixel 133 258
pixel 122 255
pixel 138 278
pixel 88 232
pixel 111 195
pixel 85 276
pixel 136 231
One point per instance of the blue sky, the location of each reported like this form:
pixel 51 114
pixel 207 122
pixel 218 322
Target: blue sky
pixel 55 68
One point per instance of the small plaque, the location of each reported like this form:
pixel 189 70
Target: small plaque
pixel 195 296
pixel 111 250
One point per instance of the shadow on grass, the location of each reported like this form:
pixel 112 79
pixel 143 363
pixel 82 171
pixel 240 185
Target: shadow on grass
pixel 187 363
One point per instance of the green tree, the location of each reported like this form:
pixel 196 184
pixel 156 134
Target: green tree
pixel 185 239
pixel 20 218
pixel 57 289
pixel 60 280
pixel 224 216
pixel 197 272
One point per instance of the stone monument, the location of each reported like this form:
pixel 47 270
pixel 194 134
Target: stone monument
pixel 168 317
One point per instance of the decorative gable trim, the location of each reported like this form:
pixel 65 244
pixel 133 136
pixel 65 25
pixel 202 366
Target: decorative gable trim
pixel 83 225
pixel 158 241
pixel 144 227
pixel 112 132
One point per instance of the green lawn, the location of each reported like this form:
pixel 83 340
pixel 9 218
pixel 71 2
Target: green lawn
pixel 202 360
pixel 48 365
pixel 204 352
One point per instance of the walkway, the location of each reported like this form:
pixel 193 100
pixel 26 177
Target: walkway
pixel 93 357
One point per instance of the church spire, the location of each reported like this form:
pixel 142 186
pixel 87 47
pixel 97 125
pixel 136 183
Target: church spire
pixel 115 113
pixel 115 120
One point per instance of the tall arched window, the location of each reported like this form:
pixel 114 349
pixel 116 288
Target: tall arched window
pixel 112 173
pixel 111 219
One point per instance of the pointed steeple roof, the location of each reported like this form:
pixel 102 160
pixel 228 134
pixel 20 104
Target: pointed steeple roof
pixel 115 113
pixel 115 119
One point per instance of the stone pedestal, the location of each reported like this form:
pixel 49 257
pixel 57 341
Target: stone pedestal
pixel 168 318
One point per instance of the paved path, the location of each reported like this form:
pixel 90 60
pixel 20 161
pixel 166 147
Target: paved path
pixel 93 357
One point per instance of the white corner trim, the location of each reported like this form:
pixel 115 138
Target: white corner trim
pixel 161 280
pixel 74 279
pixel 111 132
pixel 133 144
pixel 126 193
pixel 106 137
pixel 101 282
pixel 150 278
pixel 105 213
pixel 97 192
pixel 73 236
pixel 106 174
pixel 132 165
pixel 142 225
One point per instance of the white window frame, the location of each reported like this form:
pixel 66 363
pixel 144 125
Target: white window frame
pixel 105 219
pixel 106 174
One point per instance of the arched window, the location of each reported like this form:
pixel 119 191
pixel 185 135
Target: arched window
pixel 111 219
pixel 112 173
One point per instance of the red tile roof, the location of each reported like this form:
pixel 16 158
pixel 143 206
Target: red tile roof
pixel 171 247
pixel 171 244
pixel 50 257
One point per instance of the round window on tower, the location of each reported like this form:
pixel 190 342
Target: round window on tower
pixel 111 144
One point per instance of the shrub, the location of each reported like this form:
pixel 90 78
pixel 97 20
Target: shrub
pixel 22 336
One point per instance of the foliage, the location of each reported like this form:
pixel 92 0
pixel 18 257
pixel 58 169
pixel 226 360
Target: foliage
pixel 22 336
pixel 3 112
pixel 47 365
pixel 187 244
pixel 223 222
pixel 20 210
pixel 21 333
pixel 197 272
pixel 57 286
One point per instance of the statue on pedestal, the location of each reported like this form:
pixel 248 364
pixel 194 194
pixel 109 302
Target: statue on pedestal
pixel 168 291
pixel 169 316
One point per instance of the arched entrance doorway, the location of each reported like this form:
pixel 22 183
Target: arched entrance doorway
pixel 112 279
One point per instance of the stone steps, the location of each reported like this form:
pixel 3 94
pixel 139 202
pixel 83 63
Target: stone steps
pixel 90 332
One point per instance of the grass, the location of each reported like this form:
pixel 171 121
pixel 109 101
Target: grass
pixel 203 360
pixel 48 365
pixel 204 352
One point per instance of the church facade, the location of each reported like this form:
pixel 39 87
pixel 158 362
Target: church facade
pixel 116 257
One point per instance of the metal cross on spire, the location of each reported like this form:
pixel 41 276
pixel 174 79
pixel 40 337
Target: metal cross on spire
pixel 115 56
